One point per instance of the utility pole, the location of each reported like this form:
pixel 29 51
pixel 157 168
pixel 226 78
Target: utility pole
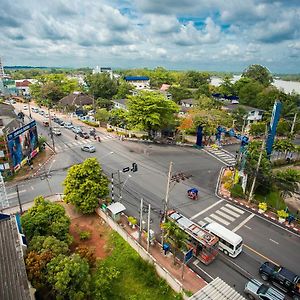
pixel 112 188
pixel 148 229
pixel 141 221
pixel 166 201
pixel 258 165
pixel 19 200
pixel 50 128
pixel 294 123
pixel 119 185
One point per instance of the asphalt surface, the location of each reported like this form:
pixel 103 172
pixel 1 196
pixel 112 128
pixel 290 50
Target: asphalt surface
pixel 262 240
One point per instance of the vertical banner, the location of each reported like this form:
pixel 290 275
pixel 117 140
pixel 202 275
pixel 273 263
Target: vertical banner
pixel 273 126
pixel 199 136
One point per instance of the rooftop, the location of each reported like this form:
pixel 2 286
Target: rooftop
pixel 13 280
pixel 136 78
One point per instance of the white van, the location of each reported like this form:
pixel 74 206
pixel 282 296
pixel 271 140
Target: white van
pixel 229 242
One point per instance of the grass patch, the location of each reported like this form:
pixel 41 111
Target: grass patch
pixel 137 279
pixel 273 199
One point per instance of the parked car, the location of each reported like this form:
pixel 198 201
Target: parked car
pixel 68 125
pixel 46 123
pixel 56 131
pixel 88 148
pixel 25 107
pixel 282 278
pixel 46 115
pixel 55 119
pixel 60 122
pixel 76 130
pixel 84 135
pixel 35 110
pixel 41 112
pixel 257 290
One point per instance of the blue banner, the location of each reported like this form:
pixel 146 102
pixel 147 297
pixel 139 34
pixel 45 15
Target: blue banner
pixel 199 136
pixel 20 130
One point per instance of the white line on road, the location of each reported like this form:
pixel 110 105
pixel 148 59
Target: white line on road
pixel 274 242
pixel 14 194
pixel 224 215
pixel 208 220
pixel 248 227
pixel 219 219
pixel 235 208
pixel 201 223
pixel 214 156
pixel 205 210
pixel 243 223
pixel 228 211
pixel 196 264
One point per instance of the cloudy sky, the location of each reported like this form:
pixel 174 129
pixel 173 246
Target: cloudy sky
pixel 176 34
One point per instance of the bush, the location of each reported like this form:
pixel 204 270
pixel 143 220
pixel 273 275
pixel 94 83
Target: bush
pixel 109 130
pixel 132 220
pixel 237 191
pixel 282 214
pixel 263 206
pixel 84 235
pixel 90 123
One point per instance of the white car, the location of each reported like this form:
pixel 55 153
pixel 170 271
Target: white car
pixel 56 131
pixel 46 115
pixel 76 130
pixel 68 125
pixel 88 148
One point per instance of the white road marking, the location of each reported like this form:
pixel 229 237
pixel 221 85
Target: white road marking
pixel 219 219
pixel 14 194
pixel 222 214
pixel 196 264
pixel 208 220
pixel 234 208
pixel 228 211
pixel 201 223
pixel 243 223
pixel 248 227
pixel 205 210
pixel 274 242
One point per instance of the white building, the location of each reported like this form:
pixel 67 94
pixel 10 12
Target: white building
pixel 139 82
pixel 100 70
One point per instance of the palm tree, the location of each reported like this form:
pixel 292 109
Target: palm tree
pixel 175 236
pixel 287 181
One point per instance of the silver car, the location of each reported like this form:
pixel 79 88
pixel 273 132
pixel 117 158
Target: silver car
pixel 254 289
pixel 88 148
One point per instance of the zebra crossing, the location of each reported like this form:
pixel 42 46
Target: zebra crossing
pixel 222 155
pixel 225 215
pixel 79 143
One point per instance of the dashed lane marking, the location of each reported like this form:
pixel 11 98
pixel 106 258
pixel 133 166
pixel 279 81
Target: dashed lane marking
pixel 274 242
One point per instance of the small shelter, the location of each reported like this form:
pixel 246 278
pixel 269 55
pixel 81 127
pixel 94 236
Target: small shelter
pixel 115 209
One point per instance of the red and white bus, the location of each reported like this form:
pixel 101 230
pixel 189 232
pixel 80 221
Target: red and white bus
pixel 205 245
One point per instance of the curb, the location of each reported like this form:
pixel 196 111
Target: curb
pixel 247 207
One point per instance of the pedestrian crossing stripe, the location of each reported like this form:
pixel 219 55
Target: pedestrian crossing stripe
pixel 208 220
pixel 202 223
pixel 235 208
pixel 220 219
pixel 224 215
pixel 230 212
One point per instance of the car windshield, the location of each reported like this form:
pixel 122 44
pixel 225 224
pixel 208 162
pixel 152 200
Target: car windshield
pixel 262 289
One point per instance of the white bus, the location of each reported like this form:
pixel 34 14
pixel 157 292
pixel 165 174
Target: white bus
pixel 229 242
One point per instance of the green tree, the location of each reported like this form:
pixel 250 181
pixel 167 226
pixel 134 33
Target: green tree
pixel 124 89
pixel 176 237
pixel 104 103
pixel 102 281
pixel 239 114
pixel 69 277
pixel 227 87
pixel 151 111
pixel 102 115
pixel 118 117
pixel 248 93
pixel 203 90
pixel 46 218
pixel 258 73
pixel 283 128
pixel 85 185
pixel 179 93
pixel 257 129
pixel 41 244
pixel 159 76
pixel 194 79
pixel 101 85
pixel 287 181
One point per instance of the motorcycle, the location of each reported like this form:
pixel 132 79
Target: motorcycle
pixel 76 137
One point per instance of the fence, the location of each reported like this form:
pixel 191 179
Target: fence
pixel 161 271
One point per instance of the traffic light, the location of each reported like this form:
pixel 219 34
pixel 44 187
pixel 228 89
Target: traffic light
pixel 134 167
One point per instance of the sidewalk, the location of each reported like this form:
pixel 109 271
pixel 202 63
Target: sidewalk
pixel 221 192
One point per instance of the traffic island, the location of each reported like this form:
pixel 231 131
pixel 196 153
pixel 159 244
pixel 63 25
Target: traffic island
pixel 224 193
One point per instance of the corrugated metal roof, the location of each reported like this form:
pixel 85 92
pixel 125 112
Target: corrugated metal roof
pixel 136 78
pixel 217 290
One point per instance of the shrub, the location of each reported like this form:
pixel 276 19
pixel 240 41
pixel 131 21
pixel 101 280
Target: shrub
pixel 282 214
pixel 84 235
pixel 90 123
pixel 263 206
pixel 132 220
pixel 237 191
pixel 109 130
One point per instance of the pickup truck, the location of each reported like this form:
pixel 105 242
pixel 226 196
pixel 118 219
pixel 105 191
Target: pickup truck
pixel 282 278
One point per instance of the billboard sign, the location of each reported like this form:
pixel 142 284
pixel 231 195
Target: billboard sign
pixel 23 144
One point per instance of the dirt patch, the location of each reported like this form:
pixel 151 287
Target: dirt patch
pixel 98 229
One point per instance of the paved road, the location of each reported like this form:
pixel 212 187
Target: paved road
pixel 262 239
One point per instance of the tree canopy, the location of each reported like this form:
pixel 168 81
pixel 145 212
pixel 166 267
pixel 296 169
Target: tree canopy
pixel 150 111
pixel 259 74
pixel 85 185
pixel 46 218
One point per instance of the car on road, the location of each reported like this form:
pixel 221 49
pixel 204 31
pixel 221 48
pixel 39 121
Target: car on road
pixel 60 122
pixel 282 278
pixel 41 112
pixel 254 289
pixel 46 115
pixel 46 123
pixel 56 131
pixel 25 107
pixel 68 125
pixel 88 148
pixel 35 110
pixel 76 130
pixel 84 135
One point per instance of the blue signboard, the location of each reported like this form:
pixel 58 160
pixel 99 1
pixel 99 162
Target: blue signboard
pixel 20 130
pixel 199 136
pixel 273 126
pixel 188 255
